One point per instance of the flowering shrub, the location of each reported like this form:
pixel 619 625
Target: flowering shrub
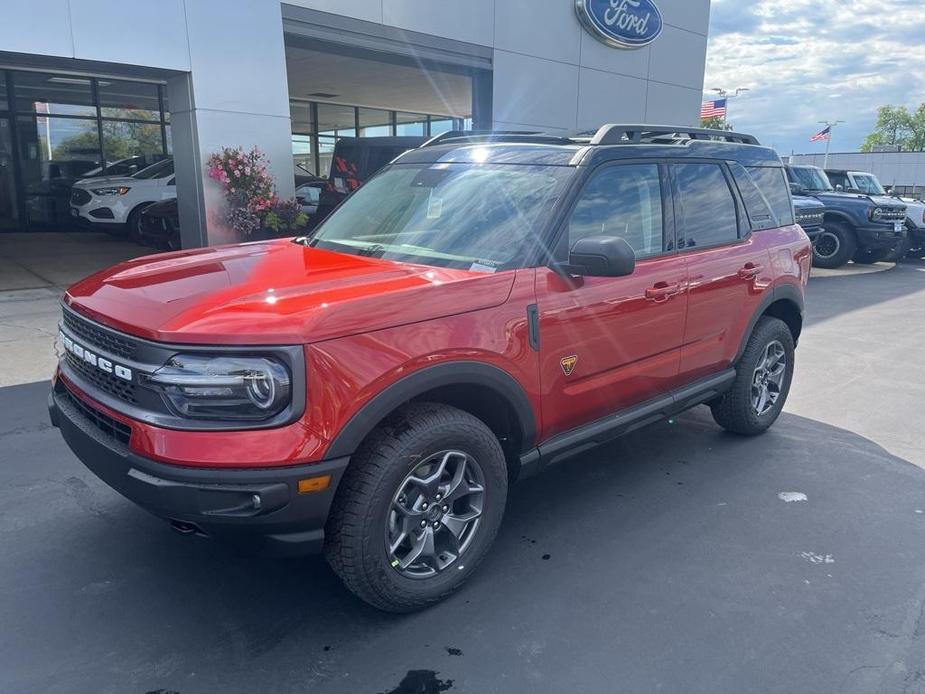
pixel 250 192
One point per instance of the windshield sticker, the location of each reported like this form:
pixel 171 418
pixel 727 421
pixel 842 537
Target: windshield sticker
pixel 483 266
pixel 434 207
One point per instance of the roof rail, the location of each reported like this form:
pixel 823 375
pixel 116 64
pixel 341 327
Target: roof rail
pixel 474 136
pixel 613 134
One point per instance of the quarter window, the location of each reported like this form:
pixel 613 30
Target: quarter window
pixel 707 211
pixel 772 181
pixel 623 201
pixel 756 204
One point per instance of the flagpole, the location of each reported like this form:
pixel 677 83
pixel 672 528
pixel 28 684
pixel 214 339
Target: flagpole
pixel 828 141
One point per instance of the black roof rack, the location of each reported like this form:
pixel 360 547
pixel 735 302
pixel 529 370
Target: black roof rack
pixel 475 136
pixel 610 134
pixel 613 134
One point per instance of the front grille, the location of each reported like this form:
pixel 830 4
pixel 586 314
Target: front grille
pixel 893 214
pixel 106 382
pixel 97 337
pixel 80 197
pixel 109 426
pixel 810 220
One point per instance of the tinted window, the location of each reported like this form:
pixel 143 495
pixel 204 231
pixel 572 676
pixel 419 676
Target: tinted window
pixel 869 184
pixel 774 186
pixel 622 201
pixel 757 206
pixel 707 210
pixel 839 179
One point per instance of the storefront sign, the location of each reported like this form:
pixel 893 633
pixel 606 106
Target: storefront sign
pixel 621 23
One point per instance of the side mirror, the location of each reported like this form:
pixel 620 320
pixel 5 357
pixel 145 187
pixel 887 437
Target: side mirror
pixel 839 187
pixel 797 189
pixel 602 256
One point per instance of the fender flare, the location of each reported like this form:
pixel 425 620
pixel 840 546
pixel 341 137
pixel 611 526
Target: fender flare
pixel 457 373
pixel 841 217
pixel 786 292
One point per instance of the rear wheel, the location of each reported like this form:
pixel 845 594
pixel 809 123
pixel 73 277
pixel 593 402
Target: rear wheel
pixel 898 252
pixel 834 247
pixel 762 383
pixel 418 508
pixel 869 256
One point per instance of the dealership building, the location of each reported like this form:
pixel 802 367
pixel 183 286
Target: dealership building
pixel 88 85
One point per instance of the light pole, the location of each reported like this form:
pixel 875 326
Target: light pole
pixel 830 124
pixel 724 93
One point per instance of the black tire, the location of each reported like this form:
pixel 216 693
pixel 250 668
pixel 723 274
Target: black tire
pixel 133 224
pixel 735 411
pixel 357 528
pixel 869 256
pixel 835 246
pixel 898 252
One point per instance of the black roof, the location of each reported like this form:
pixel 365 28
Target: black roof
pixel 609 142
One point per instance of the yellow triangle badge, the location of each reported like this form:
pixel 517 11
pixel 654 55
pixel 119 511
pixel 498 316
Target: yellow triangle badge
pixel 568 364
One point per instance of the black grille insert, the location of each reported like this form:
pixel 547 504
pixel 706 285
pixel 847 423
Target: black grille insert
pixel 80 196
pixel 97 337
pixel 108 383
pixel 109 426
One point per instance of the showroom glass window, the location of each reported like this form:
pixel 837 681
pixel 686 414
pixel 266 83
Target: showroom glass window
pixel 66 127
pixel 316 128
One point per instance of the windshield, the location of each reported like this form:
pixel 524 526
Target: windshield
pixel 810 178
pixel 160 170
pixel 477 218
pixel 868 184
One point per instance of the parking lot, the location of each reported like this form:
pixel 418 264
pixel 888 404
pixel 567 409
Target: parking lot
pixel 679 559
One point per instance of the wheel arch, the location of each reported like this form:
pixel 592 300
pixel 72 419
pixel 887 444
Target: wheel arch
pixel 840 217
pixel 484 391
pixel 784 302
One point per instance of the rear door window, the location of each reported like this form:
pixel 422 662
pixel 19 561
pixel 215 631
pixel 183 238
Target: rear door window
pixel 706 209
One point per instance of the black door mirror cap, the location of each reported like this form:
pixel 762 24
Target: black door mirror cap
pixel 600 256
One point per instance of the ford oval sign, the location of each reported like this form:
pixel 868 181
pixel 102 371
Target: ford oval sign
pixel 621 23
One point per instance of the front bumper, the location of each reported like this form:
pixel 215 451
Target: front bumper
pixel 813 233
pixel 259 508
pixel 879 235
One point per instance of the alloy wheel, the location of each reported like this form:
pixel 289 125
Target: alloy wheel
pixel 768 378
pixel 827 246
pixel 435 514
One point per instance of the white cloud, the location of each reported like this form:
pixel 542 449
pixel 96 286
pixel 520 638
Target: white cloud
pixel 812 60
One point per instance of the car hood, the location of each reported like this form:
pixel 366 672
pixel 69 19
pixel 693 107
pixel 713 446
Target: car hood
pixel 100 181
pixel 805 203
pixel 276 292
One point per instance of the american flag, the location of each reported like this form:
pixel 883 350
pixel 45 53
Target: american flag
pixel 713 109
pixel 824 135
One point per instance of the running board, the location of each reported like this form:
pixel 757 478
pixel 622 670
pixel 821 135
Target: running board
pixel 579 440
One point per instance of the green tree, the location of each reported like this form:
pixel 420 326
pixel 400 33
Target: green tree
pixel 715 123
pixel 897 126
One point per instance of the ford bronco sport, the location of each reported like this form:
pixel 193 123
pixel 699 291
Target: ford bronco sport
pixel 485 307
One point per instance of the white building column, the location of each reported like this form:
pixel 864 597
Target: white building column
pixel 235 95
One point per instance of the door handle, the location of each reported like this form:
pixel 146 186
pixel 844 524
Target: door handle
pixel 662 291
pixel 750 270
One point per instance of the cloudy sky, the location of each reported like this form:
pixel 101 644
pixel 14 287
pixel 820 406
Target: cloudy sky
pixel 812 60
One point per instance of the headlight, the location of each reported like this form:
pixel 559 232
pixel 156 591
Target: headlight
pixel 224 388
pixel 116 190
pixel 876 214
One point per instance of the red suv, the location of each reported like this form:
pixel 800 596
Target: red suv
pixel 486 306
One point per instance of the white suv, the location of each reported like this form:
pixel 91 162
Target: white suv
pixel 115 203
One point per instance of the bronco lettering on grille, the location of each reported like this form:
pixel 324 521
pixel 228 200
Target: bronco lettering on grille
pixel 94 359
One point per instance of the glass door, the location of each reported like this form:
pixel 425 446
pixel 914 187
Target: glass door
pixel 9 218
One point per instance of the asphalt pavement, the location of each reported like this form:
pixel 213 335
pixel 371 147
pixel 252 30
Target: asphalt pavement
pixel 678 559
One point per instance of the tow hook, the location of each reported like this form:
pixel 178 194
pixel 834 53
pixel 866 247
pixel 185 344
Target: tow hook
pixel 186 529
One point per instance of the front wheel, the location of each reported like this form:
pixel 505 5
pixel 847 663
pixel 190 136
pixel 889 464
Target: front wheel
pixel 762 382
pixel 418 508
pixel 834 247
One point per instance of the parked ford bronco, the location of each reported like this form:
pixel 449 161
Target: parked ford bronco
pixel 859 227
pixel 485 307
